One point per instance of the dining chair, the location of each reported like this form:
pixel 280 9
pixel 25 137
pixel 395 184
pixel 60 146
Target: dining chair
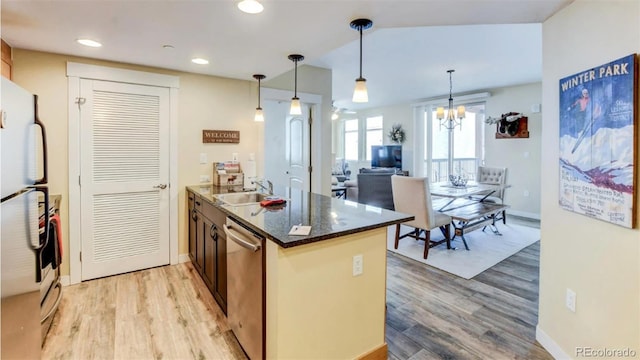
pixel 411 196
pixel 493 176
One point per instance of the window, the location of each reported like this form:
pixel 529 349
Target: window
pixel 374 134
pixel 467 143
pixel 351 139
pixel 360 135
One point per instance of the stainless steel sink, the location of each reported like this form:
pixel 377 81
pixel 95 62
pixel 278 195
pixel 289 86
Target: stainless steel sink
pixel 242 198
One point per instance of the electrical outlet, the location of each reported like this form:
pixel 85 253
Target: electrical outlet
pixel 357 265
pixel 203 158
pixel 205 178
pixel 570 300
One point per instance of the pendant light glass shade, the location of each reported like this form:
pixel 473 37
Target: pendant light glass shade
pixel 360 94
pixel 295 109
pixel 259 117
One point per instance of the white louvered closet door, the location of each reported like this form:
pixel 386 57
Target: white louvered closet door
pixel 124 166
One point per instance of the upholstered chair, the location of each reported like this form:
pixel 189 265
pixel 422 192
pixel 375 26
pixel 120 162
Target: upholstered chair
pixel 492 176
pixel 411 195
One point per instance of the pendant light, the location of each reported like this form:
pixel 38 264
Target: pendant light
pixel 259 113
pixel 295 101
pixel 360 94
pixel 450 121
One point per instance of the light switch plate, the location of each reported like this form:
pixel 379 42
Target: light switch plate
pixel 203 158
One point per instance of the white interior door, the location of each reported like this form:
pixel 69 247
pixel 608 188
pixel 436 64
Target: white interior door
pixel 287 145
pixel 124 157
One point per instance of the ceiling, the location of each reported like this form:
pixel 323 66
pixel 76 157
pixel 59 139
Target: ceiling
pixel 490 43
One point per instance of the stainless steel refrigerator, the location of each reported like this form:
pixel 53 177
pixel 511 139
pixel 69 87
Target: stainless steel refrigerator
pixel 22 140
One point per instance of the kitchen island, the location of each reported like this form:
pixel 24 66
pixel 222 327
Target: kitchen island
pixel 314 305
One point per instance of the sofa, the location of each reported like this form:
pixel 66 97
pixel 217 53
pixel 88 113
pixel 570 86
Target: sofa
pixel 372 187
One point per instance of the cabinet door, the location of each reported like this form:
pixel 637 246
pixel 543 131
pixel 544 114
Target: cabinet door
pixel 209 268
pixel 221 270
pixel 193 220
pixel 199 248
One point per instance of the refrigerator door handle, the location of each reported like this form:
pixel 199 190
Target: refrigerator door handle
pixel 42 244
pixel 45 161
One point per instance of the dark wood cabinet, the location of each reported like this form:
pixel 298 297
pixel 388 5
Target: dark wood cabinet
pixel 193 231
pixel 208 246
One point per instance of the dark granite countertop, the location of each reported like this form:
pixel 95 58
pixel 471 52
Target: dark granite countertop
pixel 329 217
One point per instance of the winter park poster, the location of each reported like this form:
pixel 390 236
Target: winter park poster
pixel 597 142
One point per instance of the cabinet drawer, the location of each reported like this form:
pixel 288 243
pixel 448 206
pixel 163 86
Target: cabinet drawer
pixel 214 214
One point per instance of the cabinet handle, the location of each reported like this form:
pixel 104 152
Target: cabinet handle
pixel 161 186
pixel 213 232
pixel 197 202
pixel 194 215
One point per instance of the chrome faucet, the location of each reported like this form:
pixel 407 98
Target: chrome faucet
pixel 269 190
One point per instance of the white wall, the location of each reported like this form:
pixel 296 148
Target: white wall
pixel 521 156
pixel 597 260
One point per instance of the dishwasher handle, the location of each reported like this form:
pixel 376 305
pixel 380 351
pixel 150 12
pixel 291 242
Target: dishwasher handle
pixel 239 240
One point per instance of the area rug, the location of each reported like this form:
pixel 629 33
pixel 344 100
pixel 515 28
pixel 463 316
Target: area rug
pixel 485 248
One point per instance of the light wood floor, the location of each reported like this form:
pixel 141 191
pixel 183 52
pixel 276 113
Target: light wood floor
pixel 168 313
pixel 160 313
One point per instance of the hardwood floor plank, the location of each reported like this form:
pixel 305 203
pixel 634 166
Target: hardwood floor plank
pixel 400 345
pixel 440 343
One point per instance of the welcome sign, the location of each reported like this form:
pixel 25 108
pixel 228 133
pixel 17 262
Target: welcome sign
pixel 220 136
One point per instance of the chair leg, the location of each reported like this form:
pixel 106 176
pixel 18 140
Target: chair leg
pixel 504 217
pixel 417 233
pixel 397 236
pixel 427 240
pixel 447 235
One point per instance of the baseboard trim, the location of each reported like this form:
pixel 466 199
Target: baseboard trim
pixel 183 258
pixel 379 353
pixel 64 280
pixel 550 345
pixel 523 214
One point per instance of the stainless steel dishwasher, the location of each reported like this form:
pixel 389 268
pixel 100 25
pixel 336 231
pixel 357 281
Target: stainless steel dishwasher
pixel 245 287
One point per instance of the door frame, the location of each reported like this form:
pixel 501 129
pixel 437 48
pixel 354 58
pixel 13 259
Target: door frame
pixel 315 102
pixel 77 71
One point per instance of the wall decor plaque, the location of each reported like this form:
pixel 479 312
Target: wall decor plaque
pixel 220 136
pixel 598 142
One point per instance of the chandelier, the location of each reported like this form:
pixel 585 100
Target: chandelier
pixel 453 117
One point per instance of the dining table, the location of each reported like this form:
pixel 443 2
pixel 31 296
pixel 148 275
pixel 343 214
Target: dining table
pixel 452 192
pixel 468 213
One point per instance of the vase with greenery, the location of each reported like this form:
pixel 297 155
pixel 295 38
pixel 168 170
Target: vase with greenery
pixel 397 134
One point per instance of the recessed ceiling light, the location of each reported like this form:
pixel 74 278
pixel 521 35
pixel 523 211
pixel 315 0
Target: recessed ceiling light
pixel 250 6
pixel 89 42
pixel 167 46
pixel 200 61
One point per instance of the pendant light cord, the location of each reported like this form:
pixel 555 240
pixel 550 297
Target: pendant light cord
pixel 259 93
pixel 295 83
pixel 450 88
pixel 360 52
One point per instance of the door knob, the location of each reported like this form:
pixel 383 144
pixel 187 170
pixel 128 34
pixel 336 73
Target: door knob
pixel 161 186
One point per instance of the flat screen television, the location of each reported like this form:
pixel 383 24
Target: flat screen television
pixel 386 156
